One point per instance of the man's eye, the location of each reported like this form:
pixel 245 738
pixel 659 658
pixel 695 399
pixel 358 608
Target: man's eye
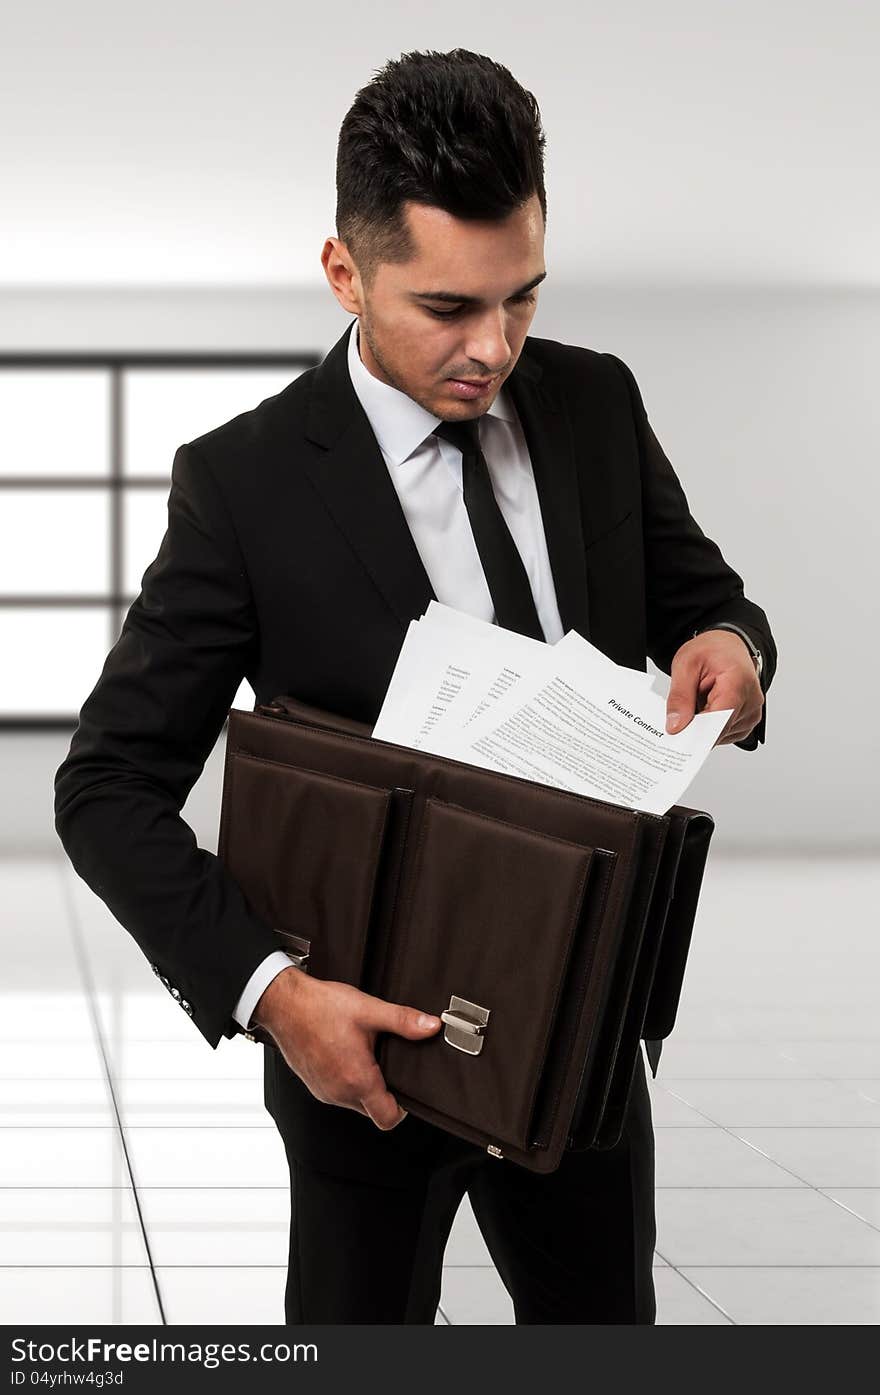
pixel 448 314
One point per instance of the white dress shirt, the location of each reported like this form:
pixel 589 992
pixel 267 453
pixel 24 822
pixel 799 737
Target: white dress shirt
pixel 426 473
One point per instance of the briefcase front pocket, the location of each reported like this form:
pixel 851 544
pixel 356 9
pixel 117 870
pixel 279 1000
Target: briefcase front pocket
pixel 484 931
pixel 305 848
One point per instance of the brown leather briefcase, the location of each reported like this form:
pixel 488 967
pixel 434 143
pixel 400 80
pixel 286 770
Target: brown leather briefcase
pixel 548 930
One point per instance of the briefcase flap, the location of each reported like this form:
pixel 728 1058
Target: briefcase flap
pixel 486 925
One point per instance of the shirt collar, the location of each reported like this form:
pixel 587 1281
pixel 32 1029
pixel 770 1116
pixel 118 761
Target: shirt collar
pixel 399 423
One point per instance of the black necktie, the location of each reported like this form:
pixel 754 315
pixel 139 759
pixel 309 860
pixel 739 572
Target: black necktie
pixel 503 567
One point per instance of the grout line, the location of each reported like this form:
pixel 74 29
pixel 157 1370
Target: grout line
pixel 782 1079
pixel 81 957
pixel 828 1126
pixel 271 1187
pixel 848 1209
pixel 488 1268
pixel 790 1171
pixel 715 1304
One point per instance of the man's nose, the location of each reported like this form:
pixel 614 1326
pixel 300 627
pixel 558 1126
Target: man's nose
pixel 487 344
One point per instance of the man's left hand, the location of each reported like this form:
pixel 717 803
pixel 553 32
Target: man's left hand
pixel 711 672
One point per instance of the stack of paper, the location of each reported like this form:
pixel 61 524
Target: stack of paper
pixel 561 714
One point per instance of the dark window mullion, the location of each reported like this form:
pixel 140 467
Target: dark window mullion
pixel 116 502
pixel 116 602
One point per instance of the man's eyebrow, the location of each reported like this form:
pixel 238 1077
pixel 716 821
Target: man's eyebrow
pixel 450 297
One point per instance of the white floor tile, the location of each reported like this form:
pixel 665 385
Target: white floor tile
pixel 42 1296
pixel 35 1015
pixel 806 1297
pixel 69 1226
pixel 777 1038
pixel 137 1059
pixel 52 1157
pixel 151 1014
pixel 143 1011
pixel 59 1103
pixel 222 1227
pixel 192 1157
pixel 35 925
pixel 680 1305
pixel 863 1201
pixel 779 1102
pixel 866 1088
pixel 45 1060
pixel 712 1158
pixel 466 1244
pixel 685 1058
pixel 472 1295
pixel 667 1109
pixel 756 1226
pixel 784 1017
pixel 223 1296
pixel 823 1157
pixel 836 1058
pixel 204 1103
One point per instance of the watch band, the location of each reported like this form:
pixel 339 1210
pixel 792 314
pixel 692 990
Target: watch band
pixel 757 656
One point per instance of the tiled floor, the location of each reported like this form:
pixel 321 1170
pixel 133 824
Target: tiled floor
pixel 141 1179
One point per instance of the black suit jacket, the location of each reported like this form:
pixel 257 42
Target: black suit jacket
pixel 287 560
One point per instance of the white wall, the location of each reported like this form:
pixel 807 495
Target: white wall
pixel 765 401
pixel 194 142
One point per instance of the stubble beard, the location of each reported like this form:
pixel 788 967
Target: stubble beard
pixel 390 376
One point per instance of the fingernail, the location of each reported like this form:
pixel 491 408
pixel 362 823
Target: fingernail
pixel 672 720
pixel 426 1021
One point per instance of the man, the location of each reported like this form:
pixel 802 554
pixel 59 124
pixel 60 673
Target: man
pixel 437 451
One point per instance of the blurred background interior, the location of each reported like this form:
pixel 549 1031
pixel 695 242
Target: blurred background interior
pixel 713 211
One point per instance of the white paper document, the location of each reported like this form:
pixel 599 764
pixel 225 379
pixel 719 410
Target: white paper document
pixel 564 715
pixel 451 665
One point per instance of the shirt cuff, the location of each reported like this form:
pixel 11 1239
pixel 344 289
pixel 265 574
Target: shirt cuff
pixel 259 981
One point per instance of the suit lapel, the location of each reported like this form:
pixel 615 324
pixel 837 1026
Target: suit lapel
pixel 548 436
pixel 351 476
pixel 352 479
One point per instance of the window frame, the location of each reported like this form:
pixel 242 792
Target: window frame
pixel 116 483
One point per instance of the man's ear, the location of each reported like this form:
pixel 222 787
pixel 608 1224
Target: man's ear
pixel 342 274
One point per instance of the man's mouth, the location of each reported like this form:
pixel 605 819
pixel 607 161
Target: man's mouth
pixel 470 387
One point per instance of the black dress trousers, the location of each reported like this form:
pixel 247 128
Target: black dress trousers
pixel 571 1246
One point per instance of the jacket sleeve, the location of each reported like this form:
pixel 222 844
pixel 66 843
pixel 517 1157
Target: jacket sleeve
pixel 689 584
pixel 143 736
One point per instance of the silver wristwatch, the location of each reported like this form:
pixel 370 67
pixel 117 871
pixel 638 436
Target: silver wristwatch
pixel 755 652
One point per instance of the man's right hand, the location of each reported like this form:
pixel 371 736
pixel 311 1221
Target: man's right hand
pixel 326 1032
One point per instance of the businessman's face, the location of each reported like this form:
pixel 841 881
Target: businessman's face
pixel 447 326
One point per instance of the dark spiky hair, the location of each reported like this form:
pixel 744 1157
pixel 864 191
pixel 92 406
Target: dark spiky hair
pixel 453 130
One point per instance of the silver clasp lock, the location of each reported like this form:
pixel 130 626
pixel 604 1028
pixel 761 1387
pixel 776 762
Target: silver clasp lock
pixel 465 1025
